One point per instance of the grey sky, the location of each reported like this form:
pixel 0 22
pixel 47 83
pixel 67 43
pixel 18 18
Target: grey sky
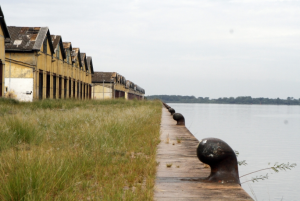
pixel 215 48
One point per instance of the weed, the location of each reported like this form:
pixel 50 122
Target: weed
pixel 169 165
pixel 168 139
pixel 178 140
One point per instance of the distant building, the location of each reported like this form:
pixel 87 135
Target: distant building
pixel 4 38
pixel 110 85
pixel 40 65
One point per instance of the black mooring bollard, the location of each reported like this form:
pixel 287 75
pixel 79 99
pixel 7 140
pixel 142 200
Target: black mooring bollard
pixel 179 118
pixel 172 111
pixel 221 159
pixel 166 105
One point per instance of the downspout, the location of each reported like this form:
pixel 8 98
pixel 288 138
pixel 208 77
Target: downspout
pixel 35 74
pixel 9 72
pixel 3 81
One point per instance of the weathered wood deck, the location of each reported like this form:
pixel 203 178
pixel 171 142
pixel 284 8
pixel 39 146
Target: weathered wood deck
pixel 181 180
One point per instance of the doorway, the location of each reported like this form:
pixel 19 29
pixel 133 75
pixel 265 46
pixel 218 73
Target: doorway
pixel 41 85
pixel 1 78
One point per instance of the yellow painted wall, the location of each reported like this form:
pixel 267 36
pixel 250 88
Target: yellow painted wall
pixel 29 65
pixel 97 91
pixel 2 58
pixel 15 70
pixel 2 46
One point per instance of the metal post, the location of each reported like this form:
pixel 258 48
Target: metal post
pixel 103 89
pixel 113 88
pixel 9 81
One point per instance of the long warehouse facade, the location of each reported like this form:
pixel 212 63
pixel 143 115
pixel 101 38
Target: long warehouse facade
pixel 107 85
pixel 36 65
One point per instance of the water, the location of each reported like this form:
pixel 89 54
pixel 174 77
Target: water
pixel 261 134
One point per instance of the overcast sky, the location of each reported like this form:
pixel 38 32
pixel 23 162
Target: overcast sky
pixel 209 48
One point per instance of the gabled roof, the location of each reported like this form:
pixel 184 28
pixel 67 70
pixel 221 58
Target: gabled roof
pixel 90 64
pixel 67 45
pixel 83 61
pixel 103 76
pixel 76 55
pixel 57 42
pixel 4 27
pixel 27 39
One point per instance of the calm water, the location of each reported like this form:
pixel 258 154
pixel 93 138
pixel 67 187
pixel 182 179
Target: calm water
pixel 261 133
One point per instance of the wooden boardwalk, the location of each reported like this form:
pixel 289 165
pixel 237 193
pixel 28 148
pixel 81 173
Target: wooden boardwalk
pixel 181 180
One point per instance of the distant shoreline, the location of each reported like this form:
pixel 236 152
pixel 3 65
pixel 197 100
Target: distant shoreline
pixel 232 103
pixel 241 100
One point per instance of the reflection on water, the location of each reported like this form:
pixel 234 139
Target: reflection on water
pixel 261 133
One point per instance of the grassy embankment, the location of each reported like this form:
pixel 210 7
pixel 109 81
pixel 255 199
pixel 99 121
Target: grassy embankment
pixel 78 150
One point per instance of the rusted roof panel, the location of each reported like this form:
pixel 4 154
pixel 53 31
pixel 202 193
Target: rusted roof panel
pixel 67 45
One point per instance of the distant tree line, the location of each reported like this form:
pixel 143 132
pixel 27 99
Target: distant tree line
pixel 225 100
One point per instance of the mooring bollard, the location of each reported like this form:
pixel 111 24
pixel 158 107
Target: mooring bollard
pixel 221 159
pixel 166 105
pixel 179 118
pixel 172 111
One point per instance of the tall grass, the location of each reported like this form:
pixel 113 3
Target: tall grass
pixel 78 150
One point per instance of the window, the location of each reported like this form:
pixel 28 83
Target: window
pixel 45 46
pixel 68 56
pixel 57 53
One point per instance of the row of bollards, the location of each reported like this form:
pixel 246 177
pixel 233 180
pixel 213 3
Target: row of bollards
pixel 176 116
pixel 216 153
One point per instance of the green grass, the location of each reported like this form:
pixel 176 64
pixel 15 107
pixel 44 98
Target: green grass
pixel 78 150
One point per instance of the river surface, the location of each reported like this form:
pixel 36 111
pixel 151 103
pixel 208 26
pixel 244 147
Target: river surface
pixel 262 134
